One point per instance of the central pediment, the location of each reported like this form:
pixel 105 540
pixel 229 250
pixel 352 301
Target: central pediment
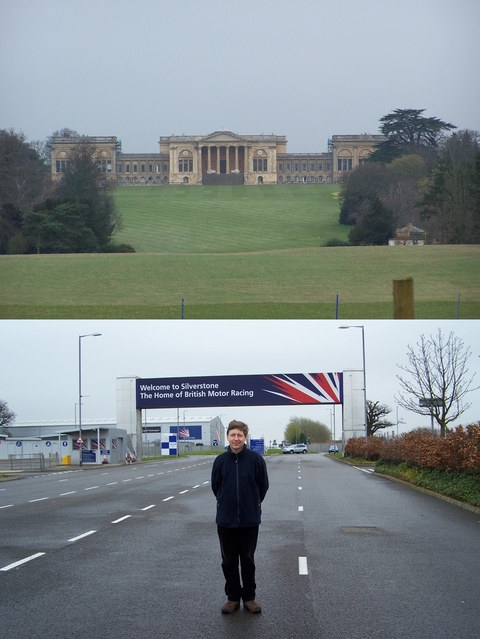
pixel 222 137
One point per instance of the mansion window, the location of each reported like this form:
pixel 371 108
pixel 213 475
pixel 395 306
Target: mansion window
pixel 185 165
pixel 320 166
pixel 62 166
pixel 362 160
pixel 289 167
pixel 104 166
pixel 297 166
pixel 119 168
pixel 345 164
pixel 135 168
pixel 142 168
pixel 328 166
pixel 312 166
pixel 165 168
pixel 127 168
pixel 150 168
pixel 260 164
pixel 304 166
pixel 280 167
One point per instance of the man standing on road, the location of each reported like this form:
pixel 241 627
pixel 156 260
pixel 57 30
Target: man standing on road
pixel 240 483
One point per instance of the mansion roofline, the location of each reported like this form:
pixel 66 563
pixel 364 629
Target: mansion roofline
pixel 221 158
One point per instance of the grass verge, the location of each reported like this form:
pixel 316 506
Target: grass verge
pixel 464 487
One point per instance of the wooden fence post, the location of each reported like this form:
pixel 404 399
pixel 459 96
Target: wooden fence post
pixel 403 298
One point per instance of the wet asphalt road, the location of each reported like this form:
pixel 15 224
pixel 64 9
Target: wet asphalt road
pixel 132 551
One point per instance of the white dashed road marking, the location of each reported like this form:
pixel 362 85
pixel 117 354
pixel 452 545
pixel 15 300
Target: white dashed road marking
pixel 22 561
pixel 302 566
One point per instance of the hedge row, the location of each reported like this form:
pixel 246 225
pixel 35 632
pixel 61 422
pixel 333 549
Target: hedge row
pixel 458 451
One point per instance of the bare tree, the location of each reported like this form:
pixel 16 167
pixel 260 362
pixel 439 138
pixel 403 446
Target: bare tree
pixel 7 417
pixel 376 414
pixel 439 379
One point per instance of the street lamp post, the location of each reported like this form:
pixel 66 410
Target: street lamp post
pixel 364 378
pixel 80 337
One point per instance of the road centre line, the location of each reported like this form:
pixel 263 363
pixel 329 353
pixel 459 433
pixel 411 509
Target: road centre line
pixel 302 566
pixel 90 532
pixel 91 488
pixel 197 486
pixel 300 509
pixel 22 561
pixel 117 521
pixel 7 506
pixel 168 498
pixel 31 501
pixel 183 492
pixel 71 492
pixel 112 483
pixel 148 507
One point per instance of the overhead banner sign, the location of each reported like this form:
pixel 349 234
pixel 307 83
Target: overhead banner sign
pixel 240 390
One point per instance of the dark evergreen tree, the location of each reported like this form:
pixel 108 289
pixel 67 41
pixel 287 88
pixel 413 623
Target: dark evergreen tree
pixel 375 227
pixel 408 131
pixel 360 188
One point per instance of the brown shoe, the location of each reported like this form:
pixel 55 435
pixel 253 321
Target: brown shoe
pixel 230 606
pixel 252 606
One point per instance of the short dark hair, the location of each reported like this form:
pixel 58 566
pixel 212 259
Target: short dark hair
pixel 240 425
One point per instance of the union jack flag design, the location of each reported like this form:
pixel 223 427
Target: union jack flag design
pixel 184 432
pixel 308 388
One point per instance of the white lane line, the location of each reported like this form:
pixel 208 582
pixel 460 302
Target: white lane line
pixel 206 482
pixel 302 566
pixel 183 492
pixel 168 498
pixel 7 506
pixel 112 483
pixel 125 480
pixel 300 509
pixel 197 486
pixel 22 561
pixel 71 492
pixel 299 488
pixel 365 470
pixel 63 480
pixel 90 532
pixel 142 477
pixel 117 521
pixel 31 501
pixel 91 488
pixel 152 475
pixel 148 507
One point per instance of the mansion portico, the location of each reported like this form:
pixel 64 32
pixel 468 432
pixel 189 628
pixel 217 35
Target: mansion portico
pixel 220 158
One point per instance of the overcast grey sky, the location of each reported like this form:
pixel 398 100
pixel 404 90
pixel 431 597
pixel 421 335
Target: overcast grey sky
pixel 39 371
pixel 306 69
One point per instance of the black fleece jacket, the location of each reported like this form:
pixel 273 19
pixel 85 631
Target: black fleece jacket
pixel 240 483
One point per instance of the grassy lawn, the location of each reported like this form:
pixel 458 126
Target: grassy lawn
pixel 238 252
pixel 228 219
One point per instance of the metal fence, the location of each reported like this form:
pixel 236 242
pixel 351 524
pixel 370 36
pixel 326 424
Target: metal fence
pixel 36 461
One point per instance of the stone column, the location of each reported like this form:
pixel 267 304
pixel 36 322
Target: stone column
pixel 236 157
pixel 209 158
pixel 227 160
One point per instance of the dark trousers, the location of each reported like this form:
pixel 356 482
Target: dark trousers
pixel 238 545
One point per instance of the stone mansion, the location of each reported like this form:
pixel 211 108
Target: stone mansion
pixel 222 157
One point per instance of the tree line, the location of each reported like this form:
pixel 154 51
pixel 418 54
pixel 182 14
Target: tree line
pixel 425 174
pixel 76 214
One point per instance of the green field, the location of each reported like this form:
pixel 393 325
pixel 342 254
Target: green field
pixel 238 252
pixel 228 219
